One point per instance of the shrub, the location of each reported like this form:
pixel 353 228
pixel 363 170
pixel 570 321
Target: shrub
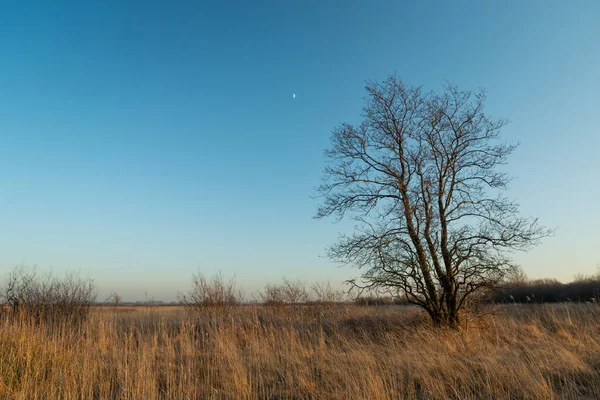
pixel 47 298
pixel 212 292
pixel 288 292
pixel 323 293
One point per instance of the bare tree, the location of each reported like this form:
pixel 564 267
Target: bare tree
pixel 420 177
pixel 114 298
pixel 516 277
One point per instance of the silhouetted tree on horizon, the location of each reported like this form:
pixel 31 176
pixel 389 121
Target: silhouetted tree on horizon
pixel 419 176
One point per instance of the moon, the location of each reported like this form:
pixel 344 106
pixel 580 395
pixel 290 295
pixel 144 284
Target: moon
pixel 293 95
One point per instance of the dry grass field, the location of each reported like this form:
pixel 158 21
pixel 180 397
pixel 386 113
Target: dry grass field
pixel 304 352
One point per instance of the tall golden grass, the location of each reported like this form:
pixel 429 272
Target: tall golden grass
pixel 303 352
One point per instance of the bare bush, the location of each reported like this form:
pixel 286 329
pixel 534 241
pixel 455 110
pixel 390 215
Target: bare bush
pixel 45 297
pixel 295 292
pixel 323 293
pixel 272 295
pixel 288 292
pixel 114 298
pixel 215 291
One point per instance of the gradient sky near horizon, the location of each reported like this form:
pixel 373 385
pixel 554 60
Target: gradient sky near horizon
pixel 141 140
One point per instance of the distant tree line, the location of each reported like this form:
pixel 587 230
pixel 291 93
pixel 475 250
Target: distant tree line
pixel 521 290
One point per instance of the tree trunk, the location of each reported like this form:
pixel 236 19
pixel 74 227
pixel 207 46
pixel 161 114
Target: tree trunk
pixel 444 318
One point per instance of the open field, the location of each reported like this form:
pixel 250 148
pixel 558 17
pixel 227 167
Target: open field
pixel 304 352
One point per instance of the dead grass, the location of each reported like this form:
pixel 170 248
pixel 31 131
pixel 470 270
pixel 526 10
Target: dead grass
pixel 302 352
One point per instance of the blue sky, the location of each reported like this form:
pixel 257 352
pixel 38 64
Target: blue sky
pixel 142 140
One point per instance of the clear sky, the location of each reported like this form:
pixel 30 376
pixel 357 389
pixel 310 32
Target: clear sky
pixel 140 140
